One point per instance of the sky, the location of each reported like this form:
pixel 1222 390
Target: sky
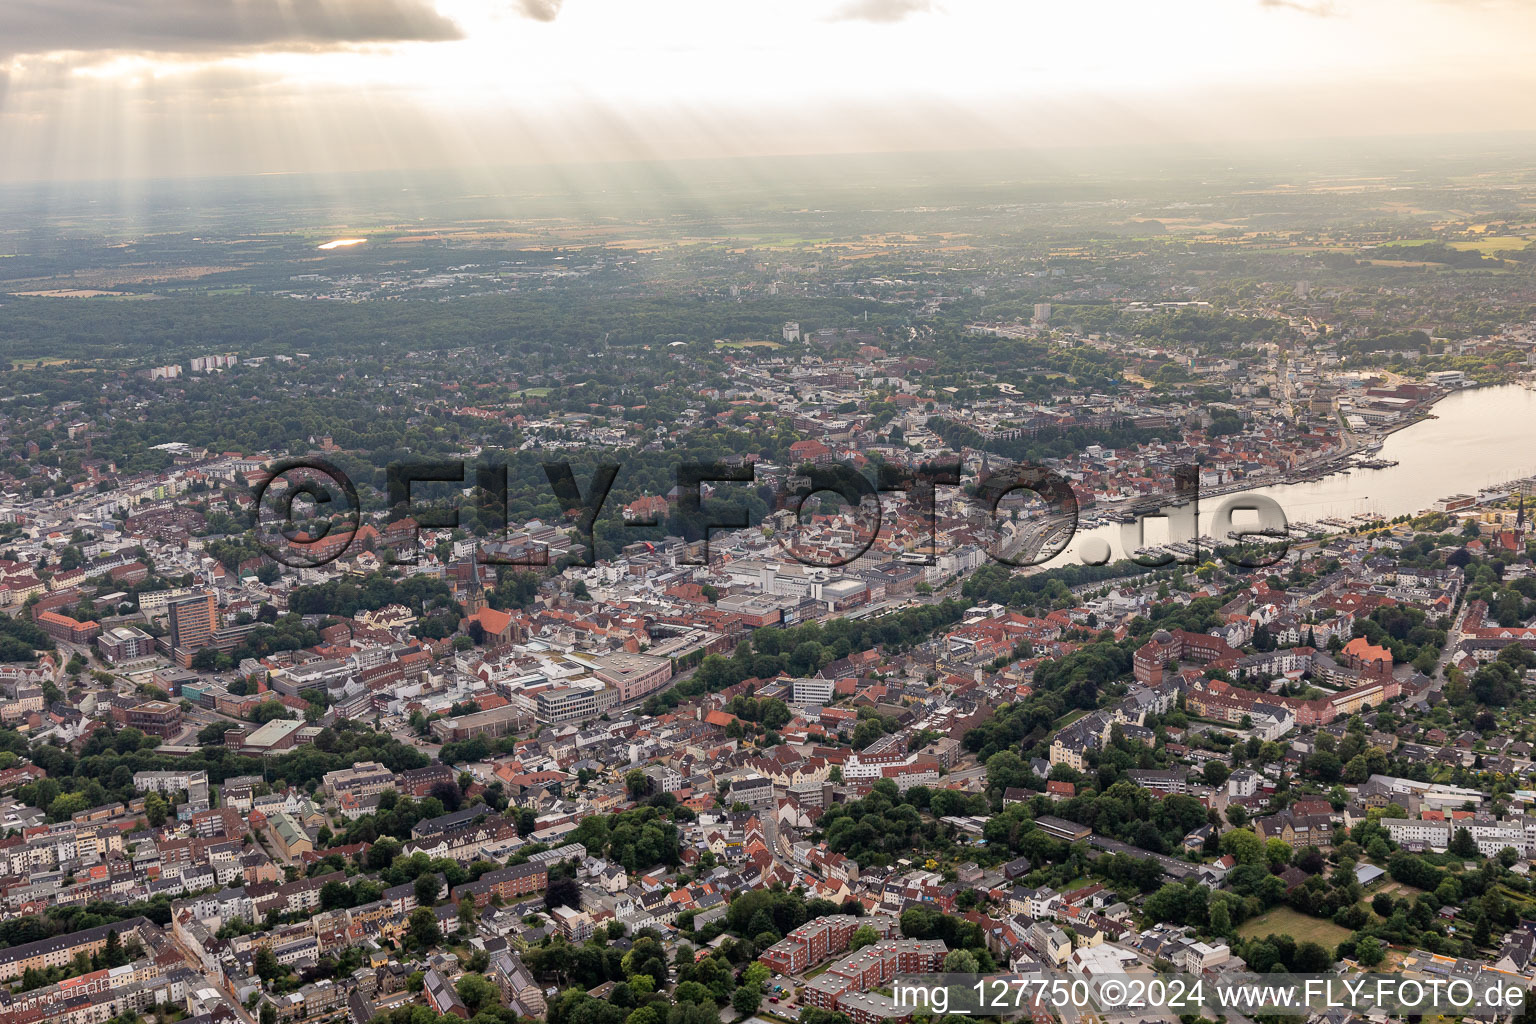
pixel 124 89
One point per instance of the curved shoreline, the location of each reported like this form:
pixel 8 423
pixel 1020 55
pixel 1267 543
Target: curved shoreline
pixel 1343 506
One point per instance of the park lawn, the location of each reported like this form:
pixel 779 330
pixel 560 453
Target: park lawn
pixel 1285 921
pixel 822 969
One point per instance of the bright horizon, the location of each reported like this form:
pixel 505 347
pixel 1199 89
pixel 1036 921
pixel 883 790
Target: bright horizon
pixel 93 89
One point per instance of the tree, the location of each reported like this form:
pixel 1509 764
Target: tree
pixel 1221 918
pixel 477 992
pixel 562 892
pixel 1006 770
pixel 155 809
pixel 863 936
pixel 646 958
pixel 423 928
pixel 1243 845
pixel 335 896
pixel 746 998
pixel 268 1012
pixel 468 914
pixel 762 923
pixel 691 1013
pixel 267 967
pixel 1368 951
pixel 1311 958
pixel 867 732
pixel 448 794
pixel 1462 844
pixel 112 953
pixel 383 853
pixel 692 992
pixel 426 887
pixel 1324 765
pixel 715 974
pixel 961 961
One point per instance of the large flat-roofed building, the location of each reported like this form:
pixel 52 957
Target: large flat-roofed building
pixel 278 734
pixel 228 638
pixel 366 778
pixel 851 984
pixel 193 620
pixel 121 645
pixel 817 939
pixel 756 610
pixel 633 675
pixel 168 782
pixel 493 722
pixel 323 676
pixel 1162 780
pixel 155 718
pixel 1061 828
pixel 583 699
pixel 813 691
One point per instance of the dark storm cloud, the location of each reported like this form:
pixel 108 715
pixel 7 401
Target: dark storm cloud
pixel 191 26
pixel 884 11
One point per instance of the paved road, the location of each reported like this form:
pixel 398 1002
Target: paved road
pixel 1452 638
pixel 974 772
pixel 1024 545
